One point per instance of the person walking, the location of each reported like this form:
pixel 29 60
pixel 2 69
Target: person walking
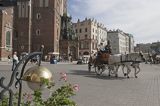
pixel 9 58
pixel 15 60
pixel 41 50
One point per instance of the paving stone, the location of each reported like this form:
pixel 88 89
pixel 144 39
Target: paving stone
pixel 104 90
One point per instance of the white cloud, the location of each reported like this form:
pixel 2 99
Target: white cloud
pixel 138 17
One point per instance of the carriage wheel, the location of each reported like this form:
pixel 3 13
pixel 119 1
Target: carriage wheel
pixel 99 69
pixel 111 69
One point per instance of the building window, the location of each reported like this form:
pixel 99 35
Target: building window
pixel 82 45
pixel 38 15
pixel 23 9
pixel 86 36
pixel 95 46
pixel 92 45
pixel 19 9
pixel 76 31
pixel 86 45
pixel 41 3
pixel 80 30
pixel 46 3
pixel 22 5
pixel 8 39
pixel 85 29
pixel 86 53
pixel 96 37
pixel 38 32
pixel 26 10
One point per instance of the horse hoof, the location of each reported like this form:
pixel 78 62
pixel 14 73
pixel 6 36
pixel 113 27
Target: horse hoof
pixel 125 74
pixel 136 77
pixel 128 77
pixel 116 76
pixel 109 75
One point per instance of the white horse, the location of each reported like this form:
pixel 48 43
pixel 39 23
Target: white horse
pixel 129 66
pixel 128 60
pixel 148 58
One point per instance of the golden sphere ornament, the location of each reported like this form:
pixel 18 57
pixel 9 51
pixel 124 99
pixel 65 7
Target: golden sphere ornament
pixel 38 77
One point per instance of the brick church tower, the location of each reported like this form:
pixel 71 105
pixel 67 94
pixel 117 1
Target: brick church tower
pixel 38 22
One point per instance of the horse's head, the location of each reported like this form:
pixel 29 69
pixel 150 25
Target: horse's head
pixel 142 57
pixel 137 56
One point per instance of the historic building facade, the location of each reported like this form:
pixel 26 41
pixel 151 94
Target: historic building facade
pixel 145 48
pixel 6 31
pixel 127 43
pixel 131 42
pixel 153 47
pixel 90 33
pixel 38 22
pixel 120 42
pixel 102 34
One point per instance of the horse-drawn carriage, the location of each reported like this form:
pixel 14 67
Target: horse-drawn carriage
pixel 100 63
pixel 104 61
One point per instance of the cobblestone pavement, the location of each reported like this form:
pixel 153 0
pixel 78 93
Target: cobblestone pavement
pixel 104 90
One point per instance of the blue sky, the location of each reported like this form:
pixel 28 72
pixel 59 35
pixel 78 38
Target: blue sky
pixel 141 18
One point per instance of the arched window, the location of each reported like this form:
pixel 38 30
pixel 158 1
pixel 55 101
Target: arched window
pixel 86 53
pixel 8 39
pixel 86 36
pixel 38 15
pixel 38 32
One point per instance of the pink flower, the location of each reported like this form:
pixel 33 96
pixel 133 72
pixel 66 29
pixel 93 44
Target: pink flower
pixel 27 97
pixel 76 87
pixel 63 76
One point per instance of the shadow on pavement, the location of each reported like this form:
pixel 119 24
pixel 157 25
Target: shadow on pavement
pixel 81 72
pixel 86 73
pixel 106 77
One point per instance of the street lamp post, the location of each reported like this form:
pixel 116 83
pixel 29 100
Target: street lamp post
pixel 39 71
pixel 14 76
pixel 30 26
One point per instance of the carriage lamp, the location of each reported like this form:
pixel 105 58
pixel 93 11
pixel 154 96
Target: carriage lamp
pixel 35 77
